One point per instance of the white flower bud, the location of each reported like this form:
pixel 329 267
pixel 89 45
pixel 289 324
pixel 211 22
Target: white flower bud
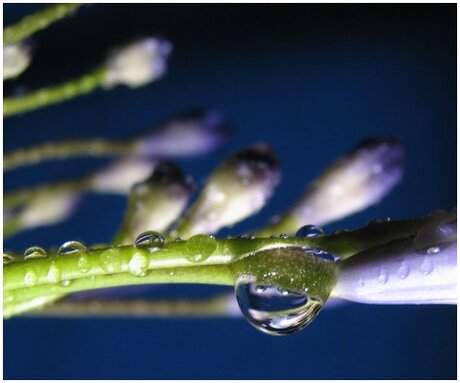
pixel 16 59
pixel 138 63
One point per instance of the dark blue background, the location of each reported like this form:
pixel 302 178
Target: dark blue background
pixel 310 80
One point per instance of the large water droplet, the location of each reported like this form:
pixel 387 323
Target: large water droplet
pixel 200 247
pixel 273 310
pixel 309 231
pixel 34 252
pixel 150 240
pixel 71 247
pixel 138 264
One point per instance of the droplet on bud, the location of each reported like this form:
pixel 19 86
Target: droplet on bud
pixel 7 259
pixel 200 247
pixel 71 247
pixel 309 231
pixel 150 240
pixel 34 252
pixel 273 310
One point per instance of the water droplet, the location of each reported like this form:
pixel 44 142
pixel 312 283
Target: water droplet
pixel 284 236
pixel 403 270
pixel 433 250
pixel 427 265
pixel 150 240
pixel 7 259
pixel 71 247
pixel 65 283
pixel 383 276
pixel 54 274
pixel 34 252
pixel 84 264
pixel 138 264
pixel 200 247
pixel 110 260
pixel 309 231
pixel 246 236
pixel 275 311
pixel 30 278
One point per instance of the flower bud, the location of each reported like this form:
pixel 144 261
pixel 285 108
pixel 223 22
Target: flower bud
pixel 237 189
pixel 191 133
pixel 138 63
pixel 16 59
pixel 155 203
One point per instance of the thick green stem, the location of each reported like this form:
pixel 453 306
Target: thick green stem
pixel 52 95
pixel 36 22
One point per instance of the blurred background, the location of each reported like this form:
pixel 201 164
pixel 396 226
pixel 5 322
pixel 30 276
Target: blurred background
pixel 310 80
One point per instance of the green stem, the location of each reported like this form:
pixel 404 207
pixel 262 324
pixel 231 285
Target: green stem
pixel 64 149
pixel 48 96
pixel 36 22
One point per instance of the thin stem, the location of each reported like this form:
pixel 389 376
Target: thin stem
pixel 220 305
pixel 64 149
pixel 36 22
pixel 52 95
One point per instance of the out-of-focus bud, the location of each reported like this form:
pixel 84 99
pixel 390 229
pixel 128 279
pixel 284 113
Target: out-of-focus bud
pixel 191 133
pixel 237 189
pixel 138 63
pixel 418 270
pixel 48 208
pixel 119 177
pixel 16 59
pixel 154 204
pixel 351 184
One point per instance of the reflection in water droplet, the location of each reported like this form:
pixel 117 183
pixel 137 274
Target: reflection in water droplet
pixel 71 247
pixel 273 310
pixel 427 265
pixel 150 240
pixel 403 270
pixel 138 264
pixel 309 231
pixel 200 247
pixel 34 252
pixel 383 276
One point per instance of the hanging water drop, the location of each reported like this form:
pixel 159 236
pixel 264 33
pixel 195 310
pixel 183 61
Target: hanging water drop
pixel 71 247
pixel 34 252
pixel 150 240
pixel 309 231
pixel 275 311
pixel 200 247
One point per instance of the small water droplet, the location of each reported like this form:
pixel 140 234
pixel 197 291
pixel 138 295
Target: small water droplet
pixel 7 259
pixel 309 231
pixel 30 278
pixel 383 276
pixel 200 247
pixel 66 283
pixel 427 265
pixel 275 311
pixel 403 270
pixel 150 240
pixel 433 250
pixel 84 264
pixel 138 264
pixel 34 252
pixel 110 260
pixel 54 274
pixel 321 254
pixel 284 236
pixel 71 247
